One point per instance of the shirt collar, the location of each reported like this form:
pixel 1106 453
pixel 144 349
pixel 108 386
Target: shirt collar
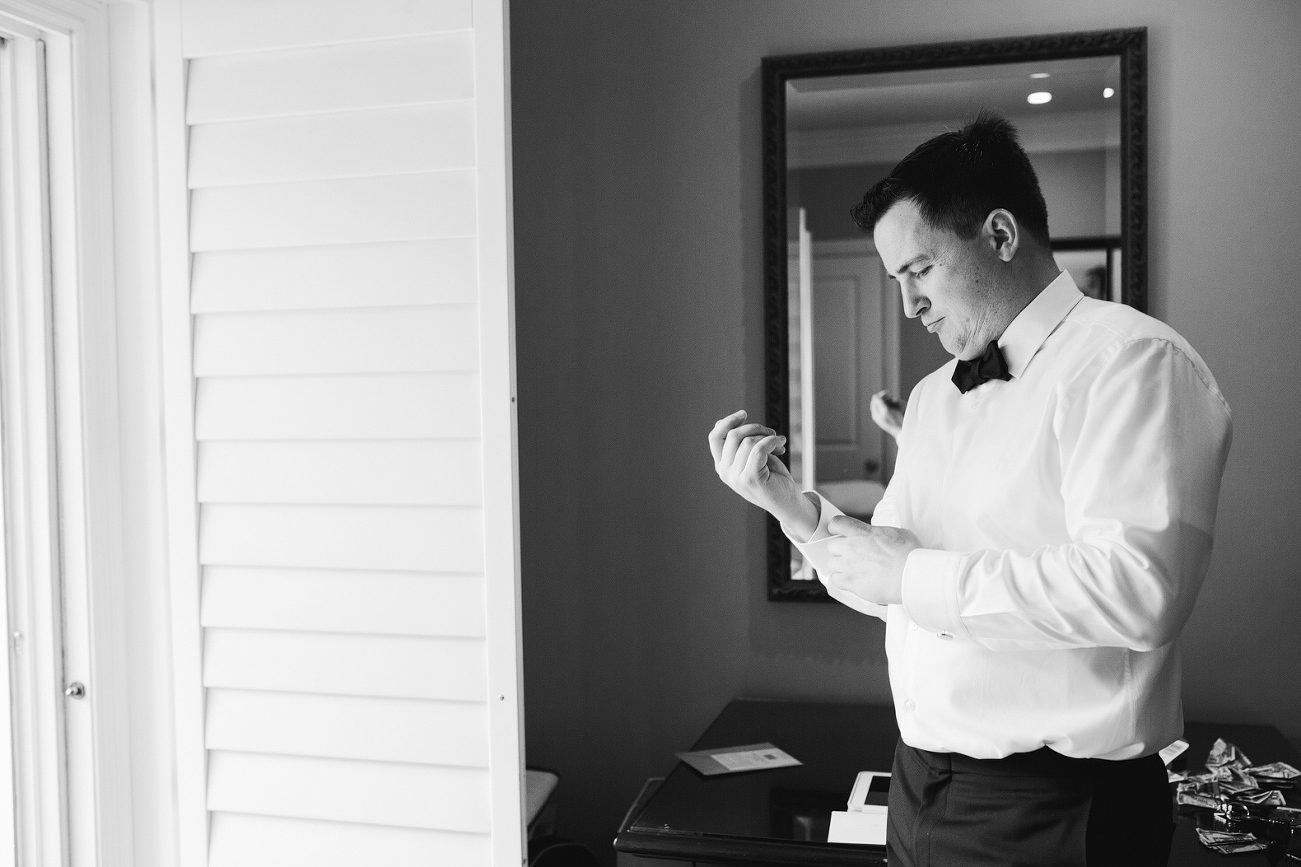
pixel 1031 327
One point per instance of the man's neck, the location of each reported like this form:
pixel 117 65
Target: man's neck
pixel 1025 281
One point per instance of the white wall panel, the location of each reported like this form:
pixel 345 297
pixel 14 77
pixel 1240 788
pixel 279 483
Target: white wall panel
pixel 394 472
pixel 382 340
pixel 339 211
pixel 334 78
pixel 333 600
pixel 349 727
pixel 225 26
pixel 387 141
pixel 360 275
pixel 271 841
pixel 448 669
pixel 382 793
pixel 406 538
pixel 410 406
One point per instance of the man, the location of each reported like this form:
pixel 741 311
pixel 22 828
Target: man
pixel 1042 540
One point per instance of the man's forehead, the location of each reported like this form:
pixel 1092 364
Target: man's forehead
pixel 901 235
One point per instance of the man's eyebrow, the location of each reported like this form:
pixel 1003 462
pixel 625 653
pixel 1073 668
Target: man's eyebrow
pixel 894 275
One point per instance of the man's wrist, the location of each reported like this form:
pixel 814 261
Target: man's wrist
pixel 801 519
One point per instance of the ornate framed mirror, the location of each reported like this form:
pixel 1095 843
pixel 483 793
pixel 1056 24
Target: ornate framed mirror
pixel 835 123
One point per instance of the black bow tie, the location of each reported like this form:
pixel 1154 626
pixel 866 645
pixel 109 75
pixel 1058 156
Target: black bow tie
pixel 991 365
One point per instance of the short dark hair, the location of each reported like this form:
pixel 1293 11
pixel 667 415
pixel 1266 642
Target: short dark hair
pixel 958 177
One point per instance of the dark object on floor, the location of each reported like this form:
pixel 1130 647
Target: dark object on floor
pixel 555 852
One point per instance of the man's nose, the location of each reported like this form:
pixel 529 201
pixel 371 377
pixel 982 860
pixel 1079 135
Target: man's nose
pixel 914 303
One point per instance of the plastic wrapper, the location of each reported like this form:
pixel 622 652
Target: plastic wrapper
pixel 1262 797
pixel 1225 754
pixel 1229 843
pixel 1273 771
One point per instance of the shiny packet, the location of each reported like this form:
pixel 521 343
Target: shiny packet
pixel 1262 798
pixel 1275 775
pixel 1228 842
pixel 1225 754
pixel 1188 794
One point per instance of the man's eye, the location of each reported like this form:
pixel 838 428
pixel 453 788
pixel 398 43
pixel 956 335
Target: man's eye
pixel 921 272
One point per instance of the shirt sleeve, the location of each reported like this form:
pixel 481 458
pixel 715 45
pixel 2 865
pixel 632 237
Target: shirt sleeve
pixel 1141 439
pixel 815 551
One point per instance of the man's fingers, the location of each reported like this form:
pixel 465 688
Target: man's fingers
pixel 886 400
pixel 719 432
pixel 738 435
pixel 880 406
pixel 745 451
pixel 759 452
pixel 843 525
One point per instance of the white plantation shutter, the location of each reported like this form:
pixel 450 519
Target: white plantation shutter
pixel 351 439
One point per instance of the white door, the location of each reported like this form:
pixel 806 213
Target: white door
pixel 849 358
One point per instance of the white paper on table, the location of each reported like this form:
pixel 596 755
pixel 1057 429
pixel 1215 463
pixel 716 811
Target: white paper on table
pixel 729 760
pixel 1172 752
pixel 754 760
pixel 867 827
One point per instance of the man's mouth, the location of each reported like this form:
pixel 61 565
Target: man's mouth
pixel 930 326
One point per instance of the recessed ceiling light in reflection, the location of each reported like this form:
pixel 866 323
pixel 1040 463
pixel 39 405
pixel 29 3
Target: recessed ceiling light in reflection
pixel 1108 92
pixel 1040 74
pixel 1039 97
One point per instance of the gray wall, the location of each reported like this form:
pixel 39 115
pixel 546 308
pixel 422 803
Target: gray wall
pixel 827 193
pixel 639 316
pixel 1074 185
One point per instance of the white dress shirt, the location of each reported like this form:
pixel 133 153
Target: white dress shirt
pixel 1066 519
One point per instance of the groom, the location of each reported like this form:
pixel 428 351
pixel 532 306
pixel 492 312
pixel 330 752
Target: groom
pixel 1042 540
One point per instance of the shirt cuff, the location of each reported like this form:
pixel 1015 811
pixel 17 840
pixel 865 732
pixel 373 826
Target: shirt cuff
pixel 814 551
pixel 930 590
pixel 826 511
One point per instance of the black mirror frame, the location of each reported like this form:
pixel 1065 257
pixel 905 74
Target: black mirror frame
pixel 1130 45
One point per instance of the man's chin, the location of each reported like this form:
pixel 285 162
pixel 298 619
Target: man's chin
pixel 962 353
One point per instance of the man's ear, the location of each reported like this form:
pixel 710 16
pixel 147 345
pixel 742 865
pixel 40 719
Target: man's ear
pixel 1002 233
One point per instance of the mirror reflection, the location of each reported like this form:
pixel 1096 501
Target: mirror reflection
pixel 848 339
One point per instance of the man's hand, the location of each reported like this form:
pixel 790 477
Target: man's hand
pixel 868 561
pixel 887 412
pixel 745 457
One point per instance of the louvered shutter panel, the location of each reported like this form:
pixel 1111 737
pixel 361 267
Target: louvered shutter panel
pixel 341 448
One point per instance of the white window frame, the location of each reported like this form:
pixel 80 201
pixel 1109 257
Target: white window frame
pixel 61 470
pixel 177 375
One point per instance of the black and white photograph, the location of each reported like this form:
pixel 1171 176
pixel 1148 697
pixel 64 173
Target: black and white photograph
pixel 637 433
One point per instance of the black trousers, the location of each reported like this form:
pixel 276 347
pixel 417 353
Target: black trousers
pixel 1033 809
